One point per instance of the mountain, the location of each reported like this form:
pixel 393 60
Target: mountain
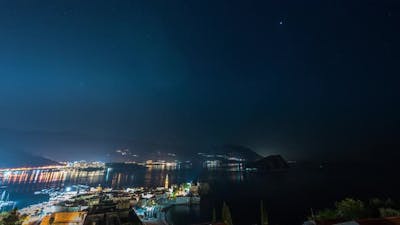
pixel 22 159
pixel 228 153
pixel 238 151
pixel 270 163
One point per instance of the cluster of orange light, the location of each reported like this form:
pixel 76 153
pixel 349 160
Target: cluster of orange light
pixel 36 176
pixel 33 168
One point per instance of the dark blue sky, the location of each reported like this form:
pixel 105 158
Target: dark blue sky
pixel 300 78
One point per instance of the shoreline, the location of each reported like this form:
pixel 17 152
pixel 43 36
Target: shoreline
pixel 162 213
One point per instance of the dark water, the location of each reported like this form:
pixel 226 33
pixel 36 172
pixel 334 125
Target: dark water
pixel 288 196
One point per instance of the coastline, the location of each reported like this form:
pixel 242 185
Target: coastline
pixel 163 210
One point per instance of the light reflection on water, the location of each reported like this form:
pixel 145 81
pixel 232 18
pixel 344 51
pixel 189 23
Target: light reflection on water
pixel 23 184
pixel 303 188
pixel 34 180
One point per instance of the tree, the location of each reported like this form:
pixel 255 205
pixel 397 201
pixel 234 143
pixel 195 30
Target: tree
pixel 351 209
pixel 387 212
pixel 374 205
pixel 226 214
pixel 12 218
pixel 389 203
pixel 264 215
pixel 326 214
pixel 381 208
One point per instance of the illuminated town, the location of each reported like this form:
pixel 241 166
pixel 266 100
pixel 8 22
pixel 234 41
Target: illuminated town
pixel 97 205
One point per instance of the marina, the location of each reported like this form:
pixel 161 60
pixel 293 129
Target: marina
pixel 147 205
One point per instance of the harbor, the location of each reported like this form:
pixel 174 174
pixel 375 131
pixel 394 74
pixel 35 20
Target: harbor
pixel 135 205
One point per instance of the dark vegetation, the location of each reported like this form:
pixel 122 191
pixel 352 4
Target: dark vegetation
pixel 350 209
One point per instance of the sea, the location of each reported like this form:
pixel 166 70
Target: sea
pixel 288 196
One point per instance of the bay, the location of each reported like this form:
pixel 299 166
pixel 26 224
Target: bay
pixel 288 196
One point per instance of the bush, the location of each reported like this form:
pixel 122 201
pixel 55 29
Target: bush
pixel 389 203
pixel 326 214
pixel 387 212
pixel 376 203
pixel 11 218
pixel 351 209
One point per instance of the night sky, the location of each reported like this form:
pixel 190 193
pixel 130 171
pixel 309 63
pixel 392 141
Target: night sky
pixel 305 79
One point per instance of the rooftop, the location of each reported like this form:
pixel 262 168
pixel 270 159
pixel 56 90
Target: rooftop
pixel 64 218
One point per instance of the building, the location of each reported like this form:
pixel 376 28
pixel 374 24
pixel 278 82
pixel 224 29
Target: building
pixel 65 218
pixel 121 217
